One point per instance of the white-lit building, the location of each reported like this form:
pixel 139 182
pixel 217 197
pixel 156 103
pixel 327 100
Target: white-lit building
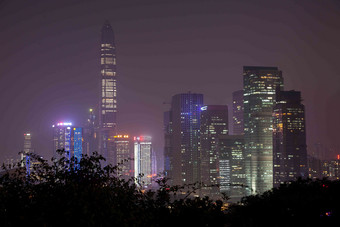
pixel 142 159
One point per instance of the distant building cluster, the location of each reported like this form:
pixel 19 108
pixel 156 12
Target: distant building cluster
pixel 133 155
pixel 264 147
pixel 267 146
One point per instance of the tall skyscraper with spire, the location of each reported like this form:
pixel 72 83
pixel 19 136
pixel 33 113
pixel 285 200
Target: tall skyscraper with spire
pixel 108 97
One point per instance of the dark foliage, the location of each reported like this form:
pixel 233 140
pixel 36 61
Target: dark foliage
pixel 300 203
pixel 83 193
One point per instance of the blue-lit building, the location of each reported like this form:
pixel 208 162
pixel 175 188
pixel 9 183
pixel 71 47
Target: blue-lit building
pixel 69 138
pixel 183 138
pixel 77 142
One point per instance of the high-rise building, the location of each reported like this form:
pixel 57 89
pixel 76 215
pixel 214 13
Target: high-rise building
pixel 214 122
pixel 231 165
pixel 289 138
pixel 314 167
pixel 184 139
pixel 167 144
pixel 331 169
pixel 77 142
pixel 24 155
pixel 69 138
pixel 142 159
pixel 90 133
pixel 108 98
pixel 124 155
pixel 238 125
pixel 260 84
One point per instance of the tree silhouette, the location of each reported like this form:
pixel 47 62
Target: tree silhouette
pixel 300 203
pixel 82 192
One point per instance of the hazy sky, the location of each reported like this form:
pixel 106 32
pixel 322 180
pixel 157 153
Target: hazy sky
pixel 49 60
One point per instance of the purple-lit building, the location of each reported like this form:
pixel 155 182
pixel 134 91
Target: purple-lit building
pixel 69 138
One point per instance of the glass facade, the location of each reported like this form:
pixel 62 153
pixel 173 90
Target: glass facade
pixel 184 138
pixel 260 84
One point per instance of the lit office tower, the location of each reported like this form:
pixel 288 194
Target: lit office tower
pixel 231 165
pixel 27 149
pixel 238 126
pixel 69 138
pixel 142 159
pixel 184 138
pixel 289 138
pixel 260 84
pixel 108 98
pixel 123 145
pixel 214 122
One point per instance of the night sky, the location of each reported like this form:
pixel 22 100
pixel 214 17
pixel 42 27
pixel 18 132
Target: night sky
pixel 49 61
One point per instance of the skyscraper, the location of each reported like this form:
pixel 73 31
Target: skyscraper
pixel 231 165
pixel 124 155
pixel 27 149
pixel 214 122
pixel 260 84
pixel 184 138
pixel 142 159
pixel 289 138
pixel 108 99
pixel 238 125
pixel 69 138
pixel 167 144
pixel 62 138
pixel 90 134
pixel 77 142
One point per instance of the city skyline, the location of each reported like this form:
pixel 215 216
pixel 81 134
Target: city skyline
pixel 152 64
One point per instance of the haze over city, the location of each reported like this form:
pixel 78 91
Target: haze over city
pixel 50 61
